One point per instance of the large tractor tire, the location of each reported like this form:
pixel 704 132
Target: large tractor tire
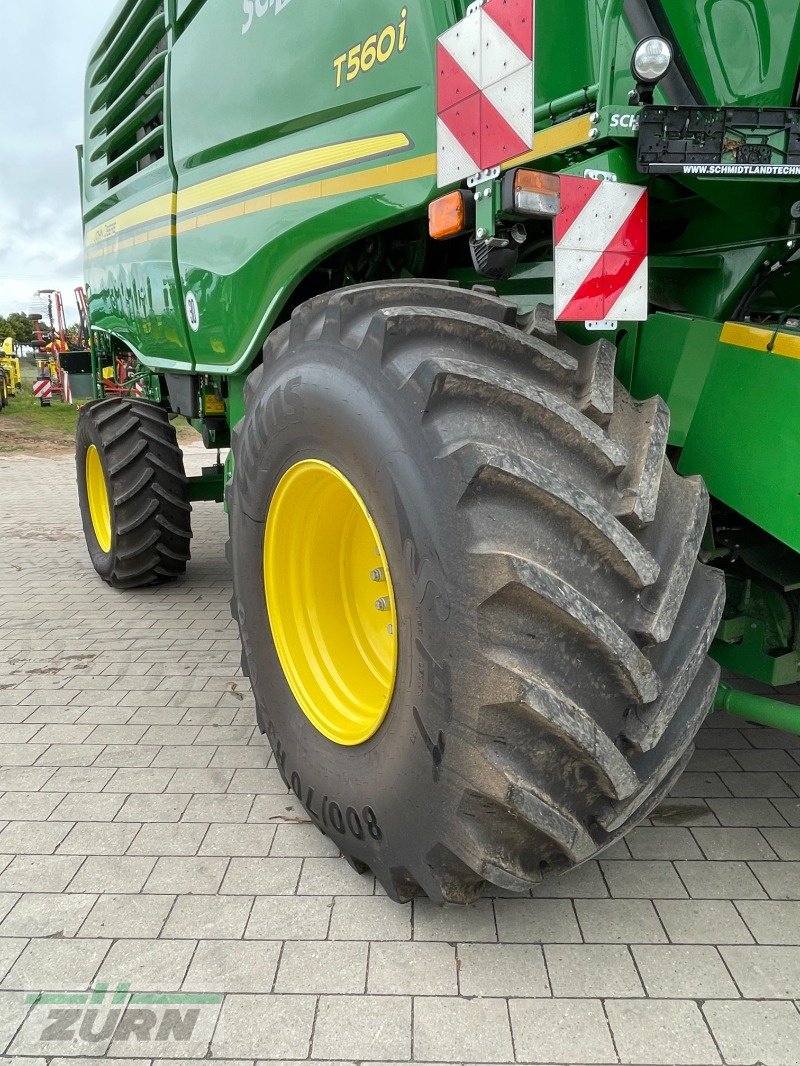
pixel 467 584
pixel 133 493
pixel 3 390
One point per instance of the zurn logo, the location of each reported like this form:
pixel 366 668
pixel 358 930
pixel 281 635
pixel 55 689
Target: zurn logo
pixel 256 9
pixel 104 1015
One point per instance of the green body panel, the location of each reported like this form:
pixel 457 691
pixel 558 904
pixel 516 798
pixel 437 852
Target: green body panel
pixel 136 296
pixel 733 412
pixel 243 269
pixel 242 156
pixel 743 438
pixel 739 51
pixel 679 379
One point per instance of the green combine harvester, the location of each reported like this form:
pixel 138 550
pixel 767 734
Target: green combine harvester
pixel 498 311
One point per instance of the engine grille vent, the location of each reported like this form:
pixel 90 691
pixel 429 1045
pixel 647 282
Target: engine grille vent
pixel 126 95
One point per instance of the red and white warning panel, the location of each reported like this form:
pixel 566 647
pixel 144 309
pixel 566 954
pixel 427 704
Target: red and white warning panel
pixel 43 389
pixel 484 89
pixel 600 265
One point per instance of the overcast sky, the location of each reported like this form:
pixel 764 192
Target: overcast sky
pixel 45 44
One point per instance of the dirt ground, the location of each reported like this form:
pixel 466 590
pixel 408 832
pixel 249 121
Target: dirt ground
pixel 27 428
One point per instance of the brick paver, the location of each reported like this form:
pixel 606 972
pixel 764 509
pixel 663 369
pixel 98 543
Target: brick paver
pixel 148 843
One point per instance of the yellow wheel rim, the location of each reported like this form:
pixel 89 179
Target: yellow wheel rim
pixel 97 492
pixel 330 602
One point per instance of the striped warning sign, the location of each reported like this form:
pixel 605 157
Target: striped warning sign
pixel 600 251
pixel 43 389
pixel 484 88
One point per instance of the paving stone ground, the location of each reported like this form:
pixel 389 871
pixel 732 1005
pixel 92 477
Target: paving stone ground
pixel 147 844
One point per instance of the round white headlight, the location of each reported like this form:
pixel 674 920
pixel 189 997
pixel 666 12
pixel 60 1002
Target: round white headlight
pixel 651 59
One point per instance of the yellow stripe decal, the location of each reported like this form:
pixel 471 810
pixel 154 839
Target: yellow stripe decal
pixel 759 339
pixel 363 180
pixel 163 209
pixel 557 138
pixel 110 248
pixel 288 167
pixel 373 178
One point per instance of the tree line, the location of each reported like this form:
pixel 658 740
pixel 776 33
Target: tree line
pixel 19 327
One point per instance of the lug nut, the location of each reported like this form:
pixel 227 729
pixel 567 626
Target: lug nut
pixel 378 574
pixel 382 604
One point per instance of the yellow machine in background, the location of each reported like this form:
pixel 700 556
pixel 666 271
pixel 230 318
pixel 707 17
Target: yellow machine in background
pixel 11 368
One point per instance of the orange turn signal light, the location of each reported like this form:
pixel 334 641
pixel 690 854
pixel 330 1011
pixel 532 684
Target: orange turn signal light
pixel 447 216
pixel 537 181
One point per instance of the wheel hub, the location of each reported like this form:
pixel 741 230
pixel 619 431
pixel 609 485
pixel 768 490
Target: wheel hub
pixel 330 602
pixel 97 492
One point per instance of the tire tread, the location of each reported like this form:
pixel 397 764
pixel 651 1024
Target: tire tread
pixel 148 491
pixel 551 779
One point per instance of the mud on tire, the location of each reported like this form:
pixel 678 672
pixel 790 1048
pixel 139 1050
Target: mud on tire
pixel 553 617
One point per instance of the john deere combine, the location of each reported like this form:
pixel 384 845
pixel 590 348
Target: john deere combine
pixel 489 303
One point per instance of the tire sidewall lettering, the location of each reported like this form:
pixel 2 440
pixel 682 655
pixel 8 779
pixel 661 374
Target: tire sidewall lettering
pixel 328 814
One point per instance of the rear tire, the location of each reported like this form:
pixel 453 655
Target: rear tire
pixel 147 493
pixel 553 619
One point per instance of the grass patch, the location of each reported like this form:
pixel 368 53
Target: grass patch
pixel 28 428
